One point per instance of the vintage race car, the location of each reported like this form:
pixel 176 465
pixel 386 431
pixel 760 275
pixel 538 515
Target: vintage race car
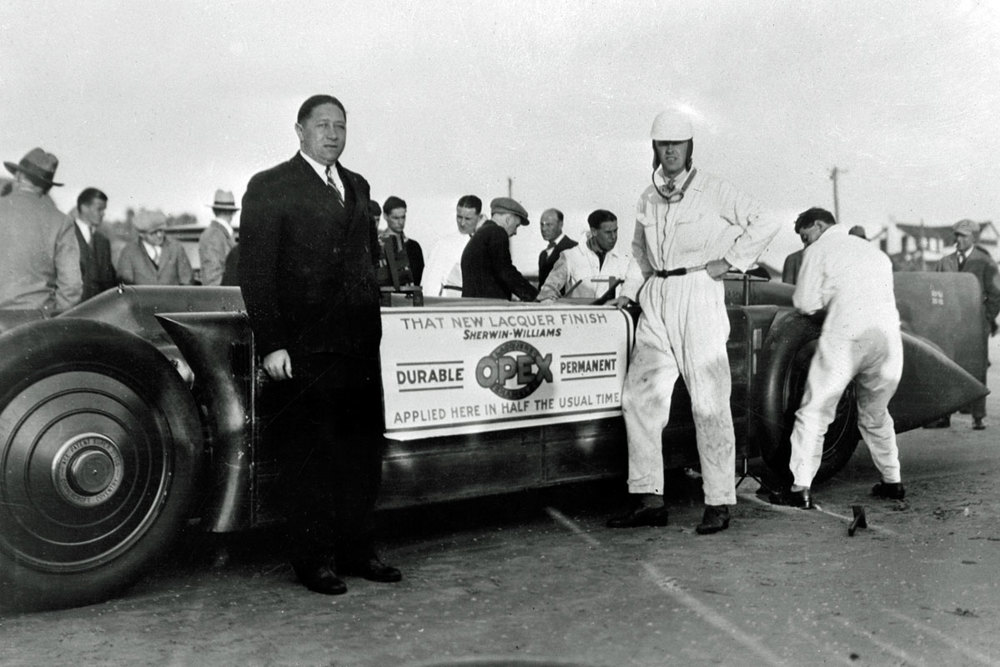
pixel 141 411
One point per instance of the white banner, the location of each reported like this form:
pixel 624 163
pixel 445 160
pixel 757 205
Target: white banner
pixel 473 369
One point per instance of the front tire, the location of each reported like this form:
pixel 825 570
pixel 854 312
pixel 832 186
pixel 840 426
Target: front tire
pixel 100 449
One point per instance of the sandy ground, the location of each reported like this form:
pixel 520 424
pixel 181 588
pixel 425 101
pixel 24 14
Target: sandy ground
pixel 537 577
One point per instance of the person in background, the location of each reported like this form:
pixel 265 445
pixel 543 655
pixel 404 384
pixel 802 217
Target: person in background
pixel 970 258
pixel 218 239
pixel 96 267
pixel 394 212
pixel 487 268
pixel 443 275
pixel 551 225
pixel 39 255
pixel 790 271
pixel 309 248
pixel 691 229
pixel 860 342
pixel 591 269
pixel 153 259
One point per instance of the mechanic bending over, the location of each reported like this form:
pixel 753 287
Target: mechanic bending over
pixel 685 219
pixel 860 341
pixel 592 268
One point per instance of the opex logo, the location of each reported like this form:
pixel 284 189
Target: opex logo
pixel 514 370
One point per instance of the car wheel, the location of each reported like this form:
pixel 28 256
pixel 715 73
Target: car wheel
pixel 785 360
pixel 100 446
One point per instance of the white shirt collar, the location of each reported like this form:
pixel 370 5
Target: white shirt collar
pixel 85 229
pixel 151 250
pixel 320 170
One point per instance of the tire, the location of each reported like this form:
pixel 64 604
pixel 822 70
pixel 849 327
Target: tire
pixel 100 449
pixel 785 360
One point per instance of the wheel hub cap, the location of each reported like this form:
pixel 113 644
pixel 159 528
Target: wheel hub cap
pixel 87 469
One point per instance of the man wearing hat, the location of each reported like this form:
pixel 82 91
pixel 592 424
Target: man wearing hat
pixel 39 255
pixel 691 228
pixel 153 259
pixel 970 258
pixel 216 242
pixel 487 269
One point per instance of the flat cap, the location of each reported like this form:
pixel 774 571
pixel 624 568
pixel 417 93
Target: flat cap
pixel 967 227
pixel 149 221
pixel 508 205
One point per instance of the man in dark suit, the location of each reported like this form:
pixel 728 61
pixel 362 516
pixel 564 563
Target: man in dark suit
pixel 96 267
pixel 551 225
pixel 970 258
pixel 487 269
pixel 307 273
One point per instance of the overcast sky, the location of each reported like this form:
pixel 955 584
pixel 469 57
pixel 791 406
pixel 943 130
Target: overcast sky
pixel 160 103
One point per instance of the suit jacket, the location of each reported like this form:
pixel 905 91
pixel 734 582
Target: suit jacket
pixel 96 267
pixel 487 269
pixel 214 245
pixel 39 256
pixel 136 268
pixel 979 263
pixel 231 275
pixel 547 261
pixel 307 267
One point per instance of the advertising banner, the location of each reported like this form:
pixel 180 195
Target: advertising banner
pixel 472 369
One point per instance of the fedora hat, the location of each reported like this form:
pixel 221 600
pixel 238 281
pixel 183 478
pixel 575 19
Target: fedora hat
pixel 37 164
pixel 224 200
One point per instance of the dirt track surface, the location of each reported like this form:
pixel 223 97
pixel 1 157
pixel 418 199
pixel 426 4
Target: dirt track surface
pixel 536 577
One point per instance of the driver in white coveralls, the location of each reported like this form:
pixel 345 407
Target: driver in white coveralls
pixel 860 341
pixel 685 220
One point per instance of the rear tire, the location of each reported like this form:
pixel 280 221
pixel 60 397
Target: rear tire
pixel 785 360
pixel 100 449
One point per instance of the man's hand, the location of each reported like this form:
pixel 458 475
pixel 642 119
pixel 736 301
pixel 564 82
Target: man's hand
pixel 620 302
pixel 717 268
pixel 278 365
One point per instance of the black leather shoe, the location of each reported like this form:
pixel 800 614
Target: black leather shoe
pixel 371 569
pixel 801 499
pixel 716 518
pixel 889 490
pixel 978 424
pixel 319 578
pixel 640 516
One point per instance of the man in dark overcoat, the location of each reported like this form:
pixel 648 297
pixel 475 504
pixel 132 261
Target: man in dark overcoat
pixel 487 268
pixel 970 258
pixel 307 274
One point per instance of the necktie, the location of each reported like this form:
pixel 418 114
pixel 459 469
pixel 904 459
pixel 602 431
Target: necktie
pixel 333 185
pixel 961 259
pixel 552 244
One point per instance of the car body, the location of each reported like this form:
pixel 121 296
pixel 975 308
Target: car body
pixel 143 410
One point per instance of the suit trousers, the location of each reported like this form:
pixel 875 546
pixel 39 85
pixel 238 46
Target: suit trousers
pixel 331 447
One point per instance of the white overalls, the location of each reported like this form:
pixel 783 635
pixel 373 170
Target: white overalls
pixel 684 327
pixel 860 341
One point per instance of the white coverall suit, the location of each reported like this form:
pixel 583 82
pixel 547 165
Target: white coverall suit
pixel 684 327
pixel 860 341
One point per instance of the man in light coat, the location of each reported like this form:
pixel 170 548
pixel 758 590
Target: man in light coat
pixel 591 269
pixel 153 259
pixel 217 241
pixel 39 255
pixel 691 221
pixel 443 274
